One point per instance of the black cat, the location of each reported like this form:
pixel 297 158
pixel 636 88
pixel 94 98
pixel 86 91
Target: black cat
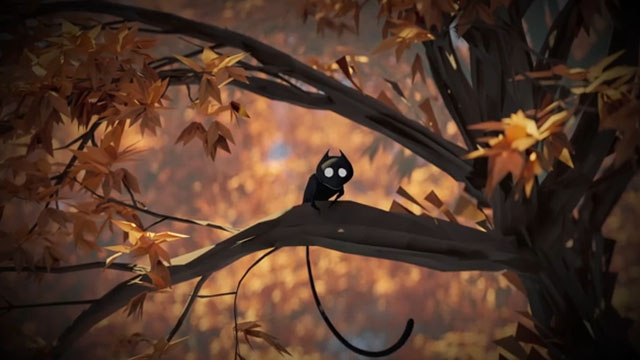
pixel 331 174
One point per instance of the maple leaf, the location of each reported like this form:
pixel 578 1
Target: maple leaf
pixel 333 15
pixel 84 225
pixel 473 11
pixel 434 200
pixel 160 348
pixel 140 243
pixel 251 329
pixel 432 11
pixel 348 69
pixel 431 121
pixel 404 34
pixel 191 131
pixel 509 150
pixel 624 117
pixel 417 68
pixel 610 83
pixel 135 306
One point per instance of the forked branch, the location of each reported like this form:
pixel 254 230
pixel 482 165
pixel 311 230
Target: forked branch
pixel 348 227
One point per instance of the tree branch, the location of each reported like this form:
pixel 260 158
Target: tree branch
pixel 162 217
pixel 348 227
pixel 187 306
pixel 346 101
pixel 79 267
pixel 11 306
pixel 235 300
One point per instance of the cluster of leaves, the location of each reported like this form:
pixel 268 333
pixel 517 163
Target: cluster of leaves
pixel 217 70
pixel 140 243
pixel 87 76
pixel 333 14
pixel 96 164
pixel 465 210
pixel 524 147
pixel 616 88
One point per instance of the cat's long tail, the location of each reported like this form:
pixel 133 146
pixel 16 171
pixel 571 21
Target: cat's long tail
pixel 388 351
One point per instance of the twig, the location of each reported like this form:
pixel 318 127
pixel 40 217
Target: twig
pixel 159 215
pixel 154 223
pixel 11 306
pixel 133 198
pixel 235 297
pixel 86 137
pixel 189 92
pixel 216 295
pixel 79 267
pixel 169 60
pixel 187 306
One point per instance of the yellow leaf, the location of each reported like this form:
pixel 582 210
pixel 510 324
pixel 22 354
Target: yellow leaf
pixel 597 69
pixel 190 63
pixel 523 143
pixel 618 71
pixel 169 236
pixel 120 249
pixel 208 55
pixel 386 44
pixel 565 157
pixel 127 226
pixel 69 28
pixel 229 61
pixel 112 258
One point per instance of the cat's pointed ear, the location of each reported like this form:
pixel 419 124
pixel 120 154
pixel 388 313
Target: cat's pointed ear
pixel 343 155
pixel 325 157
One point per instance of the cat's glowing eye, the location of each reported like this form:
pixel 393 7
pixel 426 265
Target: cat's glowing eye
pixel 328 172
pixel 342 172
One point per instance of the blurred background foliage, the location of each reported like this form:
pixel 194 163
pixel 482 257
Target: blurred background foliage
pixel 457 315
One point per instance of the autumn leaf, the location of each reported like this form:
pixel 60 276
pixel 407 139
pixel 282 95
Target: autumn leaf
pixel 405 194
pixel 384 98
pixel 141 243
pixel 193 130
pixel 347 69
pixel 404 35
pixel 136 305
pixel 160 348
pixel 512 151
pixel 433 199
pixel 430 120
pixel 250 329
pixel 417 68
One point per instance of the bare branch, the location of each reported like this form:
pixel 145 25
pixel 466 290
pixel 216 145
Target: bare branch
pixel 235 298
pixel 164 217
pixel 187 306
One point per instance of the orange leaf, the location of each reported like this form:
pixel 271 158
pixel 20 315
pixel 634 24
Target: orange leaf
pixel 502 164
pixel 190 63
pixel 416 68
pixel 344 66
pixel 430 120
pixel 384 98
pixel 127 226
pixel 135 306
pixel 192 130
